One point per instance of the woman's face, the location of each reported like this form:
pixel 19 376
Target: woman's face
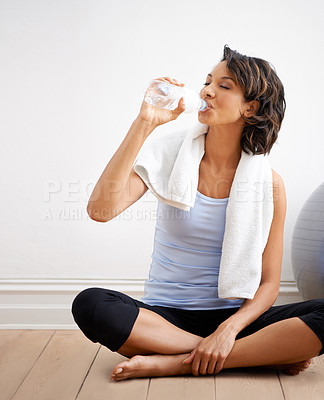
pixel 225 96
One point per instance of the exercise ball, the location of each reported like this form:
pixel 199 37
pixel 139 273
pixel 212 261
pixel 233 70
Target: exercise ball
pixel 307 247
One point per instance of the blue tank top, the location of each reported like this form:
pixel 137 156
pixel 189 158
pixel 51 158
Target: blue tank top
pixel 186 256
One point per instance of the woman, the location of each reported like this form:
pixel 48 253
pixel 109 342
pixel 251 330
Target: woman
pixel 247 107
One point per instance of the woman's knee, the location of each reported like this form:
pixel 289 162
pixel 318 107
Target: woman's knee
pixel 104 316
pixel 83 306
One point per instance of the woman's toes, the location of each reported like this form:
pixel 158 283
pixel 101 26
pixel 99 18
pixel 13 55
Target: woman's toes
pixel 118 377
pixel 118 369
pixel 293 372
pixel 303 364
pixel 306 363
pixel 127 368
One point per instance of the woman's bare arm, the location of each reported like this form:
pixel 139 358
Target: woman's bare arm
pixel 119 186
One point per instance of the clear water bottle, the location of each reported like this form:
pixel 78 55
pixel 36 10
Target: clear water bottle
pixel 165 95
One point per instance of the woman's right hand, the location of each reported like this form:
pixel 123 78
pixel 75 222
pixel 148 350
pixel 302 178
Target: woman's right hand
pixel 159 116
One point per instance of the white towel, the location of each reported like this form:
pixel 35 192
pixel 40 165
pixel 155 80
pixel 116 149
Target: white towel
pixel 169 165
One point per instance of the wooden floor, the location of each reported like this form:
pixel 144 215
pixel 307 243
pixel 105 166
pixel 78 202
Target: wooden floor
pixel 65 365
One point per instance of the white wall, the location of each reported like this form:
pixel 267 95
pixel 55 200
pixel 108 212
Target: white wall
pixel 73 74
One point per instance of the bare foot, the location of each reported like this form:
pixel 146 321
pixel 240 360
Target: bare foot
pixel 291 369
pixel 171 365
pixel 151 365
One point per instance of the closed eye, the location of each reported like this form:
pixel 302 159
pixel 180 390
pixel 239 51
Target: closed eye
pixel 224 87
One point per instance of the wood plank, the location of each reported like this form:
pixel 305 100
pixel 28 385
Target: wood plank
pixel 98 385
pixel 182 387
pixel 309 384
pixel 57 367
pixel 250 383
pixel 61 368
pixel 19 350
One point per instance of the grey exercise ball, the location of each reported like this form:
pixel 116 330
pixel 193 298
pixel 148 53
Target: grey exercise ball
pixel 307 247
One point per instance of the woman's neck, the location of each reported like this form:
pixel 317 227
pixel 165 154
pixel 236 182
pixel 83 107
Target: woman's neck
pixel 222 148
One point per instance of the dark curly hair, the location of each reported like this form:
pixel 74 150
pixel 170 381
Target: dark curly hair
pixel 258 81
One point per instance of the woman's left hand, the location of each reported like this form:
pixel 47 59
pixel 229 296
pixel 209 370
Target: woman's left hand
pixel 210 354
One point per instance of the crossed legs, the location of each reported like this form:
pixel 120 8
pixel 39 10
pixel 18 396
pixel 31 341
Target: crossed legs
pixel 158 347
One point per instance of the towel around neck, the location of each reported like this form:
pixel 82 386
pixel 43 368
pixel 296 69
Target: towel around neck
pixel 169 166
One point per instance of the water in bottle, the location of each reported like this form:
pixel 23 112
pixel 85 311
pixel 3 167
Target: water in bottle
pixel 166 95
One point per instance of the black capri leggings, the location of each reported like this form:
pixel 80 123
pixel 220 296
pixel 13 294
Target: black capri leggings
pixel 107 316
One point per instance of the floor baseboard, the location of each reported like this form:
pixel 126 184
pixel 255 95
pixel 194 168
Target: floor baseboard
pixel 46 303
